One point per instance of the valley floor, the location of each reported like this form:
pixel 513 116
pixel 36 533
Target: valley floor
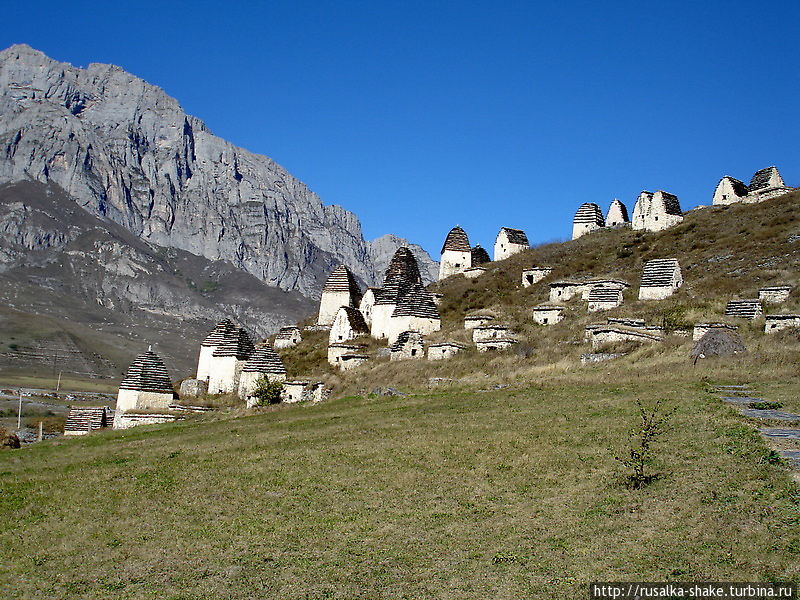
pixel 495 493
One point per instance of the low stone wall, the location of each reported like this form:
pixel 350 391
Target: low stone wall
pixel 597 357
pixel 128 420
pixel 776 323
pixel 473 321
pixel 656 292
pixel 444 351
pixel 495 344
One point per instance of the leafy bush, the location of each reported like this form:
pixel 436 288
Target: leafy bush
pixel 267 392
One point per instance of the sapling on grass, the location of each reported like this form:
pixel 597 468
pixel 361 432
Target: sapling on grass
pixel 639 454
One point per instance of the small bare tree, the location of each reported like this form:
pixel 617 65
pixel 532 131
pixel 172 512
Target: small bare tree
pixel 651 425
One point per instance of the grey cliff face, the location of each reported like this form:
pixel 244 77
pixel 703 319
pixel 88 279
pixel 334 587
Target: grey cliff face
pixel 383 248
pixel 128 153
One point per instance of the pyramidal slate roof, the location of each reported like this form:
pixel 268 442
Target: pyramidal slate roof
pixel 239 345
pixel 416 302
pixel 658 272
pixel 760 179
pixel 456 240
pixel 515 236
pixel 749 308
pixel 401 275
pixel 265 360
pixel 286 333
pixel 480 256
pixel 672 205
pixel 589 212
pixel 738 187
pixel 342 280
pixel 221 332
pixel 403 267
pixel 403 339
pixel 605 294
pixel 147 374
pixel 355 319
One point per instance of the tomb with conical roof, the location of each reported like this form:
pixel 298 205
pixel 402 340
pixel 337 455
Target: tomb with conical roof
pixel 216 336
pixel 764 184
pixel 403 303
pixel 146 385
pixel 587 218
pixel 341 289
pixel 348 324
pixel 456 253
pixel 617 215
pixel 263 362
pixel 227 361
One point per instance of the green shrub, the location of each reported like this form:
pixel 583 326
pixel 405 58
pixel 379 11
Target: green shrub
pixel 267 392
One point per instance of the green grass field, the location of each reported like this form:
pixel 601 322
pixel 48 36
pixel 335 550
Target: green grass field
pixel 511 493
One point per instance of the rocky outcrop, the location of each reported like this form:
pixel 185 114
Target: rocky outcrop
pixel 383 248
pixel 128 153
pixel 58 261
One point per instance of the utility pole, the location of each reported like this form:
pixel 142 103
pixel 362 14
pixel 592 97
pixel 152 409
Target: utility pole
pixel 41 431
pixel 58 385
pixel 19 412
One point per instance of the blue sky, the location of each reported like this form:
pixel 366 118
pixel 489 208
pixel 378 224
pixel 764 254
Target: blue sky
pixel 421 115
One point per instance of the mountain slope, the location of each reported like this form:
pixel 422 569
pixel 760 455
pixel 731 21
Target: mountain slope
pixel 95 280
pixel 383 248
pixel 127 152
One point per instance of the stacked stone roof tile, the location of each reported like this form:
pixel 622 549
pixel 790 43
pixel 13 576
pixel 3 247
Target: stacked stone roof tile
pixel 760 179
pixel 222 331
pixel 286 333
pixel 605 294
pixel 620 209
pixel 515 236
pixel 401 276
pixel 417 302
pixel 659 272
pixel 87 418
pixel 738 186
pixel 147 374
pixel 456 240
pixel 355 319
pixel 479 256
pixel 265 360
pixel 589 212
pixel 403 339
pixel 672 205
pixel 744 309
pixel 237 344
pixel 342 280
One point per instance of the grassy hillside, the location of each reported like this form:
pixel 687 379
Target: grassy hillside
pixel 725 252
pixel 498 482
pixel 509 493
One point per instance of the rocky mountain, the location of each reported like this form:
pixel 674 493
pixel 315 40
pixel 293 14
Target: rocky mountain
pixel 129 154
pixel 107 294
pixel 382 249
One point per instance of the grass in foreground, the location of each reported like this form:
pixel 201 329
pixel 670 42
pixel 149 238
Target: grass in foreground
pixel 499 494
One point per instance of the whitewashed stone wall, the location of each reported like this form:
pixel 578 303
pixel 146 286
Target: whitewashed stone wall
pixel 650 213
pixel 337 351
pixel 535 275
pixel 700 329
pixel 381 320
pixel 474 272
pixel 776 323
pixel 503 248
pixel 366 306
pixel 128 420
pixel 548 315
pixel 454 262
pixel 490 332
pixel 495 344
pixel 444 351
pixel 204 362
pixel 414 347
pixel 329 306
pixel 247 385
pixel 774 295
pixel 128 400
pixel 224 375
pixel 581 229
pixel 349 362
pixel 473 321
pixel 398 325
pixel 602 337
pixel 341 329
pixel 563 293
